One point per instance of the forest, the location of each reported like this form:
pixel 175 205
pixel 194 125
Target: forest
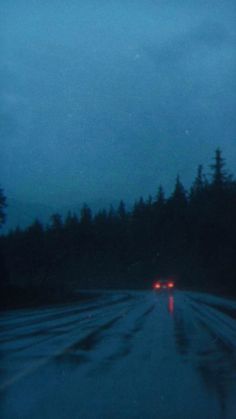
pixel 189 234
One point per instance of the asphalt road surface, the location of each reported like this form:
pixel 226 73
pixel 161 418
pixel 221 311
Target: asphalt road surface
pixel 129 355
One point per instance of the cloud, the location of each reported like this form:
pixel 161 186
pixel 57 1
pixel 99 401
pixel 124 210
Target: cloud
pixel 210 35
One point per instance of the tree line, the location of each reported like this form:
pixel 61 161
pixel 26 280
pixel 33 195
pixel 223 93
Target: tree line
pixel 190 234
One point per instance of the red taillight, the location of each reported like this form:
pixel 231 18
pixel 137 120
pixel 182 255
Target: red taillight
pixel 170 285
pixel 157 286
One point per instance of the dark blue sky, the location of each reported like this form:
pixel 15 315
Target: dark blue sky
pixel 102 100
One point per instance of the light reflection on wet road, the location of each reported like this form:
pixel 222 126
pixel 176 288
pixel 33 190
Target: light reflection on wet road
pixel 123 355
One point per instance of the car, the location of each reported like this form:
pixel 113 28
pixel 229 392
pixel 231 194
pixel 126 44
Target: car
pixel 164 284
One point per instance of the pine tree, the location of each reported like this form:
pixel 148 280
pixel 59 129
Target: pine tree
pixel 71 221
pixel 122 211
pixel 86 216
pixel 3 269
pixel 160 197
pixel 179 196
pixel 198 184
pixel 2 207
pixel 219 176
pixel 56 222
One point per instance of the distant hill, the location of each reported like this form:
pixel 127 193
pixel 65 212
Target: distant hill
pixel 22 214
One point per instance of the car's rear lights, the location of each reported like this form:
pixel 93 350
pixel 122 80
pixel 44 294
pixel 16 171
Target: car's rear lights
pixel 157 286
pixel 170 285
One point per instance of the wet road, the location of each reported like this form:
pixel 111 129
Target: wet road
pixel 124 355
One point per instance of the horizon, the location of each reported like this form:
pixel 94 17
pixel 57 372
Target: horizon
pixel 32 211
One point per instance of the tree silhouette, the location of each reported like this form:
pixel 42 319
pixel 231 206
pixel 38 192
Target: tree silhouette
pixel 179 196
pixel 189 234
pixel 3 205
pixel 199 185
pixel 219 175
pixel 160 201
pixel 4 275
